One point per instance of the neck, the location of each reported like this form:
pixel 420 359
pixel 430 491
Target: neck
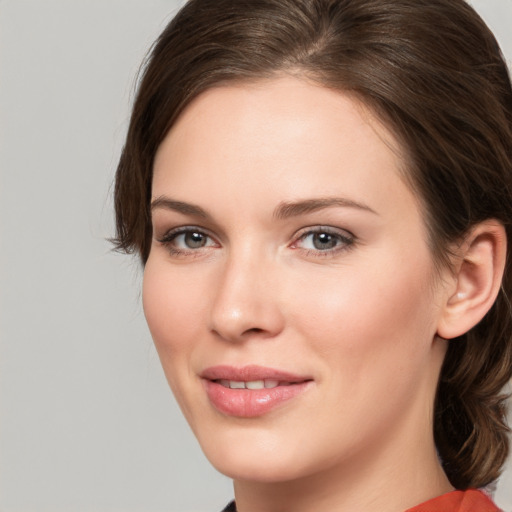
pixel 374 485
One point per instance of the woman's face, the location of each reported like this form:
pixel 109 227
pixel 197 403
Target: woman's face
pixel 289 289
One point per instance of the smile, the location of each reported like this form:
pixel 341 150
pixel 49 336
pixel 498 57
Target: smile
pixel 251 391
pixel 252 384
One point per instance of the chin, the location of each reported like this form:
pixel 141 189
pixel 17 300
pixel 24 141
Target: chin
pixel 263 470
pixel 258 455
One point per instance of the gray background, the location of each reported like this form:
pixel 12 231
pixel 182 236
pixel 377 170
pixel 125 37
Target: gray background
pixel 87 421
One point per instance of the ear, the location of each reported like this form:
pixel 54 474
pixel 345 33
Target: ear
pixel 476 279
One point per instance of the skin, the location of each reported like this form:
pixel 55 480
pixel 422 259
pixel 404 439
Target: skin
pixel 360 318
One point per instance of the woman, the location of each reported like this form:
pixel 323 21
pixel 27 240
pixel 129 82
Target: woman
pixel 321 194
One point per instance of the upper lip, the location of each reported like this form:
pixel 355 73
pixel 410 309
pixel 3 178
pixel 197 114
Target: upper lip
pixel 250 373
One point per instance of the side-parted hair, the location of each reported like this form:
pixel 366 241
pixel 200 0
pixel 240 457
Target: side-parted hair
pixel 433 73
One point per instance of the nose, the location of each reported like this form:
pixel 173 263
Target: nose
pixel 246 301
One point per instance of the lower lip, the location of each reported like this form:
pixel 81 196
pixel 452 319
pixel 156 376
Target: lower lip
pixel 250 403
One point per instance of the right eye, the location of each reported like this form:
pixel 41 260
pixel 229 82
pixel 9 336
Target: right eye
pixel 189 239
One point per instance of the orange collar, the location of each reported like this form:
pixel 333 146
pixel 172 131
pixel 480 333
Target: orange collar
pixel 458 501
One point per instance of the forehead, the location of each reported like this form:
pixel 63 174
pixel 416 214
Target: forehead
pixel 266 105
pixel 280 139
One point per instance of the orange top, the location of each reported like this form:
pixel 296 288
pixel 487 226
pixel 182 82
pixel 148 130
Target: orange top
pixel 458 501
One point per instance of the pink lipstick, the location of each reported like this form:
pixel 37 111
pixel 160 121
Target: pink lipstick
pixel 251 391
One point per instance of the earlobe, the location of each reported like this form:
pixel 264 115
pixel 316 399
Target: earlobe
pixel 477 279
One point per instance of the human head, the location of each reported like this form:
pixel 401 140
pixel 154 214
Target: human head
pixel 433 73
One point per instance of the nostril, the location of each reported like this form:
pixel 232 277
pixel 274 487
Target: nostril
pixel 254 330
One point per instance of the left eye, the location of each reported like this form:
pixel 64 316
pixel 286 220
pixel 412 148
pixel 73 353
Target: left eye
pixel 323 240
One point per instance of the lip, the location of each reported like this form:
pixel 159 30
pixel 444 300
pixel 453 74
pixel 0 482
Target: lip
pixel 250 372
pixel 247 403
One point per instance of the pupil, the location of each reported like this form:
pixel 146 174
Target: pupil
pixel 324 241
pixel 194 240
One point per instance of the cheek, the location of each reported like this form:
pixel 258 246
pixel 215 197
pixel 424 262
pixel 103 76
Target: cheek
pixel 369 309
pixel 173 310
pixel 371 332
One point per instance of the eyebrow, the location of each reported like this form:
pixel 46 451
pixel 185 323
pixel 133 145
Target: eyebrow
pixel 283 211
pixel 293 209
pixel 178 206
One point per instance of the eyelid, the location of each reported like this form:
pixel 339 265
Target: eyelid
pixel 170 235
pixel 346 237
pixel 346 240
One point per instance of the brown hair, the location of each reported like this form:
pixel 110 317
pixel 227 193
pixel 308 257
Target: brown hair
pixel 434 74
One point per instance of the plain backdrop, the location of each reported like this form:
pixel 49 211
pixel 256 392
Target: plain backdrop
pixel 87 421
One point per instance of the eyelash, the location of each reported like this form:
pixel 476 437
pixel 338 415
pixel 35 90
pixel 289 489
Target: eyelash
pixel 344 241
pixel 168 240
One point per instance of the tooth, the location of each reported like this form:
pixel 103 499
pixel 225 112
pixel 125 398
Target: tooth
pixel 224 383
pixel 255 384
pixel 271 384
pixel 233 384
